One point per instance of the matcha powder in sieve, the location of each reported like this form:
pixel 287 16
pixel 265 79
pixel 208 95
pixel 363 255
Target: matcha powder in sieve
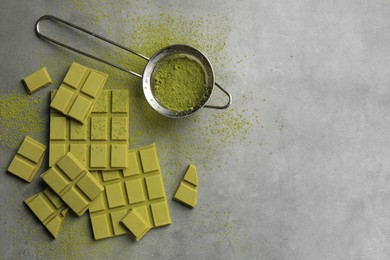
pixel 180 84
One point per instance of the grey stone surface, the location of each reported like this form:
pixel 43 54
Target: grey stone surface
pixel 308 180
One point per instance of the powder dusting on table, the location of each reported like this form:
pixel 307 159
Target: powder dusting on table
pixel 19 115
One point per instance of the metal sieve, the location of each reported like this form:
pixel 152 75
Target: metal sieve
pixel 152 65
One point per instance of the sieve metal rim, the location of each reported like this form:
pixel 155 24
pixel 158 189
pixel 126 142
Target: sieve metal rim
pixel 160 56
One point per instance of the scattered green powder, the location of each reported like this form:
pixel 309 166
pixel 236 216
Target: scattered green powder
pixel 19 116
pixel 180 84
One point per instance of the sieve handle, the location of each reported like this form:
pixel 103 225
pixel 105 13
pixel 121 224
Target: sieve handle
pixel 227 94
pixel 61 21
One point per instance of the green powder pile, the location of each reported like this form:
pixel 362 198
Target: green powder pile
pixel 180 84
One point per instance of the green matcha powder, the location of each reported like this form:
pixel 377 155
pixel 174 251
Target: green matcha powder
pixel 180 84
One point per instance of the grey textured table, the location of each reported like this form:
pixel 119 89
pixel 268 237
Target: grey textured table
pixel 297 168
